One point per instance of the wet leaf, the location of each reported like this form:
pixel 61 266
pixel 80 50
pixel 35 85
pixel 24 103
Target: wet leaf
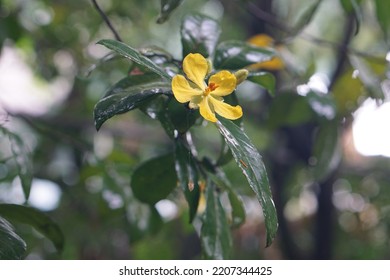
pixel 154 179
pixel 238 210
pixel 157 109
pixel 249 160
pixel 327 150
pixel 199 34
pixel 181 116
pixel 126 100
pixel 264 79
pixel 35 218
pixel 187 174
pixel 236 55
pixel 322 104
pixel 12 246
pixel 134 55
pixel 132 81
pixel 167 7
pixel 215 233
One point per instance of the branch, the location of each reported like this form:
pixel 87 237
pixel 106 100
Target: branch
pixel 106 20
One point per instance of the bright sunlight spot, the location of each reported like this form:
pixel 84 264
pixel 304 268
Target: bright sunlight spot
pixel 22 91
pixel 45 195
pixel 370 133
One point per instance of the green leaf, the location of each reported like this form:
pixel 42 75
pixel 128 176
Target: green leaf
pixel 143 220
pixel 225 155
pixel 326 150
pixel 134 55
pixel 305 16
pixel 353 6
pixel 126 100
pixel 154 179
pixel 350 5
pixel 131 82
pixel 249 160
pixel 322 104
pixel 236 55
pixel 157 109
pixel 35 218
pixel 263 79
pixel 199 34
pixel 187 174
pixel 238 210
pixel 289 109
pixel 167 7
pixel 215 232
pixel 181 116
pixel 12 247
pixel 21 156
pixel 382 14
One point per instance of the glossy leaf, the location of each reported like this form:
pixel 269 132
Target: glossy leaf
pixel 134 55
pixel 199 34
pixel 167 7
pixel 215 233
pixel 225 155
pixel 382 14
pixel 236 203
pixel 154 179
pixel 181 116
pixel 132 81
pixel 126 100
pixel 187 174
pixel 21 156
pixel 264 79
pixel 327 150
pixel 249 160
pixel 35 218
pixel 322 104
pixel 236 55
pixel 157 110
pixel 12 246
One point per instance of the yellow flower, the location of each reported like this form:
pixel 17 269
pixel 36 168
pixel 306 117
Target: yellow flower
pixel 208 98
pixel 263 40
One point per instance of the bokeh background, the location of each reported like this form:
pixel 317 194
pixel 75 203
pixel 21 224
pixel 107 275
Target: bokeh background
pixel 324 136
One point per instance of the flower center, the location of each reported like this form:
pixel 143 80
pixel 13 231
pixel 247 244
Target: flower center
pixel 210 88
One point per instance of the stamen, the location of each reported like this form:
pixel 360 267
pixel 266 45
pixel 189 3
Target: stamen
pixel 210 88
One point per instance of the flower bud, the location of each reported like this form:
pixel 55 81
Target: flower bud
pixel 241 75
pixel 209 66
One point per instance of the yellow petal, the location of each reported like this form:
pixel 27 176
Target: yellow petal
pixel 225 82
pixel 261 40
pixel 274 64
pixel 225 110
pixel 206 111
pixel 195 66
pixel 182 90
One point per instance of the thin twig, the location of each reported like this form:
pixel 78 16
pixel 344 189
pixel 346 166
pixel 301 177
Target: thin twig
pixel 270 19
pixel 106 20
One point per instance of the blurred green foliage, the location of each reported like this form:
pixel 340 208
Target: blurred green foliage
pixel 332 203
